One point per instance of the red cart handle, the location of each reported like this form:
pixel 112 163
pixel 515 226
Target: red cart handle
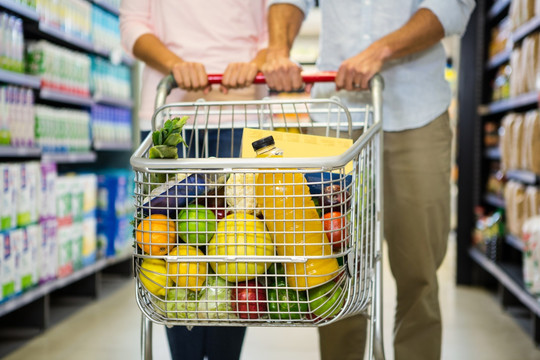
pixel 308 78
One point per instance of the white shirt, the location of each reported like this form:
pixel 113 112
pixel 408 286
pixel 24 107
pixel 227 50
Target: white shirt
pixel 415 91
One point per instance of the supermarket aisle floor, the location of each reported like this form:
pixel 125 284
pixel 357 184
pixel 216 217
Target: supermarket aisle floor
pixel 475 328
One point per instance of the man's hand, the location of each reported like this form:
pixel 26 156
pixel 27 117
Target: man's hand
pixel 281 73
pixel 355 72
pixel 191 76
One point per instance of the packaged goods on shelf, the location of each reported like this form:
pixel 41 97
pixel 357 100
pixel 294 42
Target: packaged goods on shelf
pixel 514 197
pixel 520 141
pixel 8 210
pixel 17 116
pixel 60 69
pixel 110 80
pixel 524 62
pixel 48 251
pixel 520 12
pixel 499 38
pixel 501 84
pixel 115 211
pixel 488 233
pixel 491 134
pixel 111 125
pixel 105 29
pixel 531 255
pixel 12 49
pixel 26 178
pixel 7 251
pixel 72 17
pixel 62 130
pixel 76 214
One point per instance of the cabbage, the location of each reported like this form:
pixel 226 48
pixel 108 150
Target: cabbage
pixel 215 299
pixel 240 192
pixel 181 304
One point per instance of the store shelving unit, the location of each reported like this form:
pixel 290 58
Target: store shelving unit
pixel 31 309
pixel 474 159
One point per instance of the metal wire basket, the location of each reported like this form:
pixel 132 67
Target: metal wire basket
pixel 260 241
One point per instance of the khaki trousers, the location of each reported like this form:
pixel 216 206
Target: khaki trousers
pixel 416 227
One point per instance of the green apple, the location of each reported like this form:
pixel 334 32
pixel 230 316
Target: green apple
pixel 196 224
pixel 326 300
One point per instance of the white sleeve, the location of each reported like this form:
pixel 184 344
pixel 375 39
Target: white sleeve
pixel 304 5
pixel 453 14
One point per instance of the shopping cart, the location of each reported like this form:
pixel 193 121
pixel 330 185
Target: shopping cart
pixel 251 241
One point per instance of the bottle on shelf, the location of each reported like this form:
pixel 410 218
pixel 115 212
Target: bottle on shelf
pixel 289 212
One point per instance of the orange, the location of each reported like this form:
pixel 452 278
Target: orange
pixel 156 234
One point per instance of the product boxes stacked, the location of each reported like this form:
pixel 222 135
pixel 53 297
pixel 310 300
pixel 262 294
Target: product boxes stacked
pixel 76 215
pixel 115 212
pixel 20 232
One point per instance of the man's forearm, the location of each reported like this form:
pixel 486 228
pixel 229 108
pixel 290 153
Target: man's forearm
pixel 284 22
pixel 422 31
pixel 149 49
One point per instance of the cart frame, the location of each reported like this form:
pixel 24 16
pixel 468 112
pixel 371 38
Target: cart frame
pixel 374 134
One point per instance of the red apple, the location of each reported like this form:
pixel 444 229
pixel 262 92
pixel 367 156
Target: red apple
pixel 336 228
pixel 249 300
pixel 216 203
pixel 334 198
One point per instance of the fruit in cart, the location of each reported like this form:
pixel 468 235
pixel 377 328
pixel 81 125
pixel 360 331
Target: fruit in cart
pixel 284 303
pixel 196 224
pixel 249 300
pixel 153 276
pixel 215 203
pixel 336 226
pixel 215 299
pixel 187 274
pixel 326 300
pixel 181 304
pixel 240 192
pixel 156 234
pixel 240 234
pixel 334 198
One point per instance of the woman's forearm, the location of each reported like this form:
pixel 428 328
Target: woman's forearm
pixel 149 49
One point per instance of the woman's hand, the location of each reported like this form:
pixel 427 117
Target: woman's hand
pixel 238 75
pixel 191 76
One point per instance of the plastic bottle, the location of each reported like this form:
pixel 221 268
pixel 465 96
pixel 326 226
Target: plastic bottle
pixel 289 213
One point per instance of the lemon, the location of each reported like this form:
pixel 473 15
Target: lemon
pixel 153 276
pixel 190 275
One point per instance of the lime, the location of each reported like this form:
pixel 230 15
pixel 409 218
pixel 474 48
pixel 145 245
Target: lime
pixel 196 224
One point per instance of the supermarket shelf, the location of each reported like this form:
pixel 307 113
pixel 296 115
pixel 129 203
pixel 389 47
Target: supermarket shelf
pixel 11 151
pixel 106 6
pixel 69 158
pixel 494 200
pixel 54 95
pixel 20 79
pixel 519 101
pixel 42 290
pixel 109 100
pixel 105 146
pixel 509 276
pixel 497 8
pixel 514 242
pixel 20 9
pixel 493 153
pixel 62 35
pixel 526 29
pixel 499 59
pixel 523 176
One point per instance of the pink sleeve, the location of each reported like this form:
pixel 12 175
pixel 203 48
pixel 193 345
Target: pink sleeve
pixel 134 22
pixel 263 35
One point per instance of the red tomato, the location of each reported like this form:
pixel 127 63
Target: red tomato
pixel 335 226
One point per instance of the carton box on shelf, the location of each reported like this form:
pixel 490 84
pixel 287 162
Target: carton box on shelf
pixel 34 235
pixel 48 252
pixel 65 250
pixel 7 197
pixel 17 240
pixel 47 193
pixel 7 281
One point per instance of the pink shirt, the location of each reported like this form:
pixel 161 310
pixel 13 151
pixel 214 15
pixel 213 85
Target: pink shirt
pixel 212 32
